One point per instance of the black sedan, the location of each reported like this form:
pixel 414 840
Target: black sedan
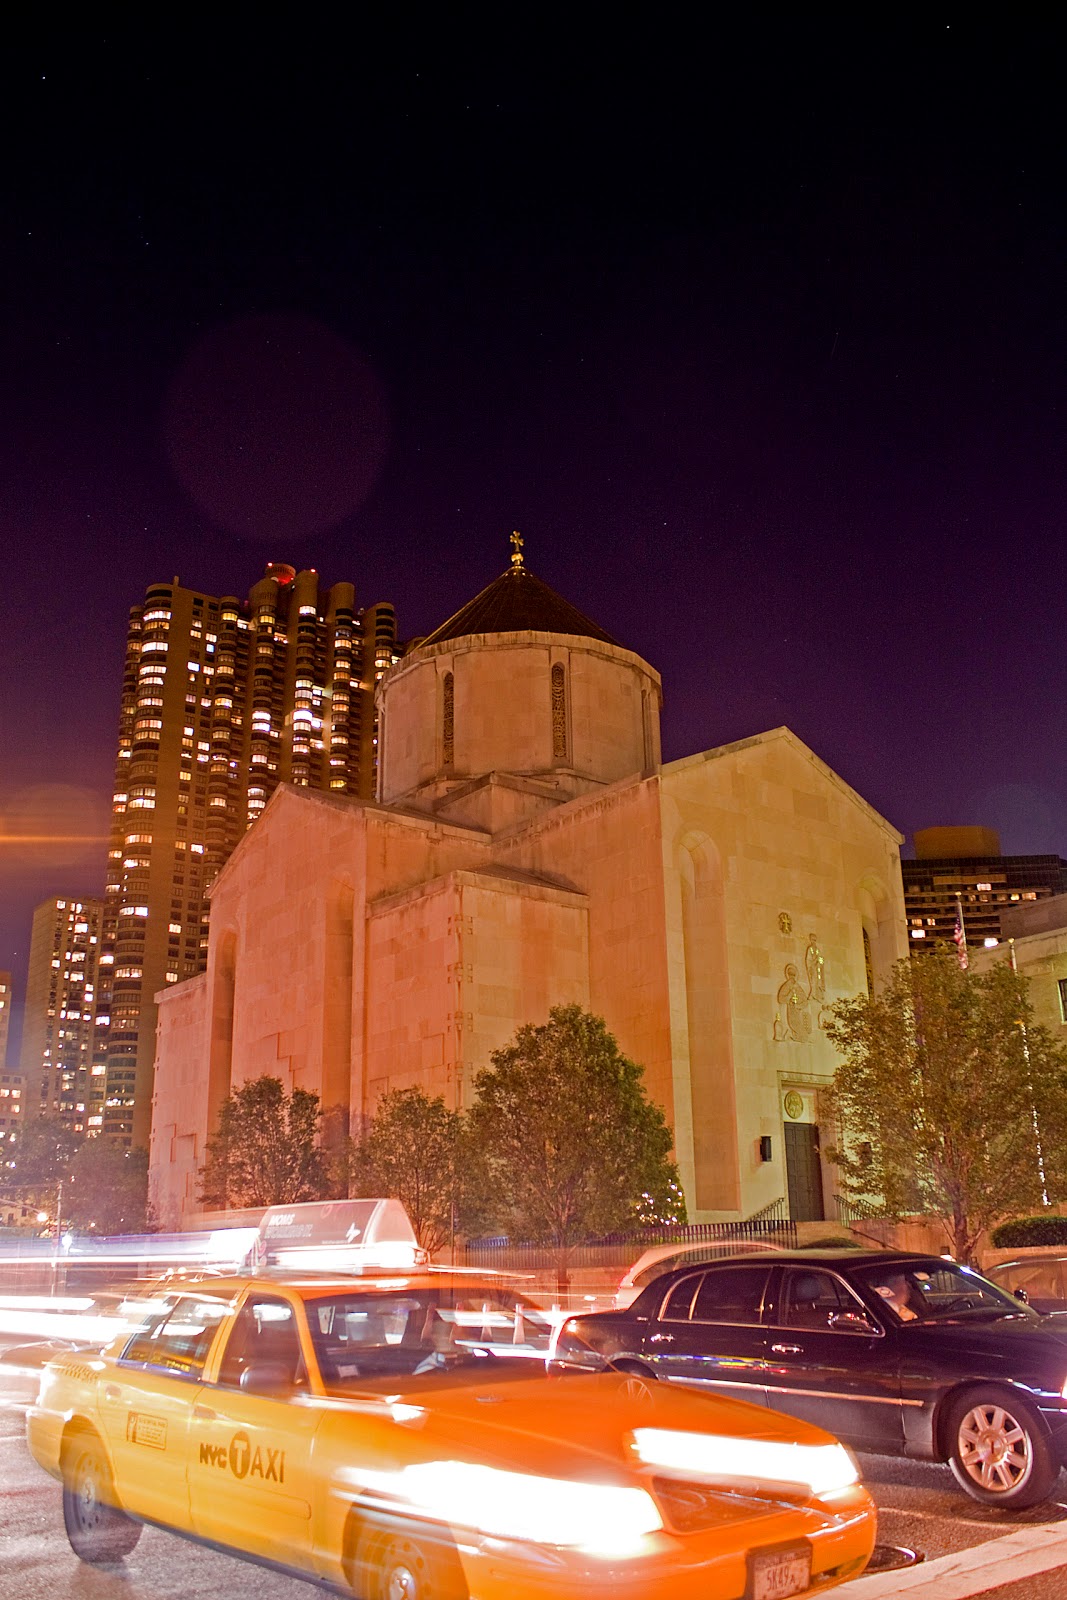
pixel 899 1354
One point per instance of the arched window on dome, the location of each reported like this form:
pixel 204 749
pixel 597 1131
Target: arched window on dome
pixel 448 720
pixel 559 712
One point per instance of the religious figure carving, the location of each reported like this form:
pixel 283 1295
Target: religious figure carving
pixel 785 922
pixel 792 996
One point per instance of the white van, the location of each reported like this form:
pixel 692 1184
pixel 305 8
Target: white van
pixel 665 1257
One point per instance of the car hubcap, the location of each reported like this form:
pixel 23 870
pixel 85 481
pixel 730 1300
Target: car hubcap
pixel 401 1584
pixel 994 1449
pixel 88 1499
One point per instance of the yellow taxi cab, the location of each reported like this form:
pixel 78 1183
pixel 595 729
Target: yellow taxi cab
pixel 412 1436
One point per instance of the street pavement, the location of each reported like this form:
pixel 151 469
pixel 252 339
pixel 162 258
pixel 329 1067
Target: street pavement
pixel 967 1549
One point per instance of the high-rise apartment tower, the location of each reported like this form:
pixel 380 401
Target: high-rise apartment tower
pixel 64 1040
pixel 10 1080
pixel 962 869
pixel 222 700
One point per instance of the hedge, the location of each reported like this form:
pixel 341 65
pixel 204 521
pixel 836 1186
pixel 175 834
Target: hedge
pixel 1024 1231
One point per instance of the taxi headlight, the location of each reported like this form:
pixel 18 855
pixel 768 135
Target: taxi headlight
pixel 600 1518
pixel 822 1468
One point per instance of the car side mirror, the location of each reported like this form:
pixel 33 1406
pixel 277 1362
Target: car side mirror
pixel 267 1377
pixel 1021 1294
pixel 852 1322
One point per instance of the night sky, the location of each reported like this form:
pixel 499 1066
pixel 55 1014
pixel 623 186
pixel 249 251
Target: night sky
pixel 756 332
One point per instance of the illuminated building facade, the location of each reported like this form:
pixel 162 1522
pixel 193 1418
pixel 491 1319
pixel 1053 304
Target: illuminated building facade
pixel 63 1057
pixel 966 862
pixel 10 1081
pixel 222 700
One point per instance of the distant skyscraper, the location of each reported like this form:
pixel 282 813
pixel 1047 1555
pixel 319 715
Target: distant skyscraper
pixel 63 1057
pixel 5 1017
pixel 965 865
pixel 10 1080
pixel 222 700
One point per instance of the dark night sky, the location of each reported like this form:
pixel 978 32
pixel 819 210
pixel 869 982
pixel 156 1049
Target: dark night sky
pixel 757 336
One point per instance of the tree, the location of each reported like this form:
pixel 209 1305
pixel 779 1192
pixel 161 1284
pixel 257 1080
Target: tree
pixel 572 1142
pixel 43 1151
pixel 264 1150
pixel 415 1150
pixel 951 1101
pixel 107 1189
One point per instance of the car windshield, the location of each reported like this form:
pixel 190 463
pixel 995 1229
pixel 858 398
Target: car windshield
pixel 413 1332
pixel 937 1291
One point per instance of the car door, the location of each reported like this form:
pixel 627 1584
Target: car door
pixel 250 1470
pixel 147 1401
pixel 708 1331
pixel 831 1363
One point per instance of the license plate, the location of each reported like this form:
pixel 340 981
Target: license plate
pixel 777 1573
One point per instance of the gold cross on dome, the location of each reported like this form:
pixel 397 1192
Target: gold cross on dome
pixel 516 553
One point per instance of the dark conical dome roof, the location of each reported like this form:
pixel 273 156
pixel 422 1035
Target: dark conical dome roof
pixel 517 602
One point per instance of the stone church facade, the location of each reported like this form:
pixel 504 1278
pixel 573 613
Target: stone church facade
pixel 528 848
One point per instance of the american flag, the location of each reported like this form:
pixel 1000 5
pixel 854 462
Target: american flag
pixel 959 935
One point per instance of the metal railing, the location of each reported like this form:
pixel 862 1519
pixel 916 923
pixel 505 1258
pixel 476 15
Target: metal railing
pixel 620 1249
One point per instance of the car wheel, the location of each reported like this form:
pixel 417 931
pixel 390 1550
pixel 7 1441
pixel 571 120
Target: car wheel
pixel 98 1531
pixel 998 1452
pixel 398 1560
pixel 637 1377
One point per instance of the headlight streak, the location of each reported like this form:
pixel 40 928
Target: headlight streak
pixel 820 1468
pixel 602 1519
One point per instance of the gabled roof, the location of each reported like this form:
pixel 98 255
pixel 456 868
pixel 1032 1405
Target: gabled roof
pixel 517 602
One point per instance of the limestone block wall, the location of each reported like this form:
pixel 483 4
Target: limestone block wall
pixel 607 845
pixel 180 1123
pixel 518 702
pixel 454 966
pixel 771 857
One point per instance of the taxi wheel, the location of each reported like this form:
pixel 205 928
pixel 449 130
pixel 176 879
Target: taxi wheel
pixel 407 1561
pixel 998 1451
pixel 98 1531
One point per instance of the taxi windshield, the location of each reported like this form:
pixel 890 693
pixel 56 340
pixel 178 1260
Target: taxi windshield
pixel 412 1332
pixel 937 1291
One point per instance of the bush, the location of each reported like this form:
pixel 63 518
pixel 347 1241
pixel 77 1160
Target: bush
pixel 1022 1231
pixel 834 1241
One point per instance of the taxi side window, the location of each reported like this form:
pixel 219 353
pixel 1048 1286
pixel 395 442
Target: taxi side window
pixel 264 1333
pixel 180 1339
pixel 731 1294
pixel 812 1298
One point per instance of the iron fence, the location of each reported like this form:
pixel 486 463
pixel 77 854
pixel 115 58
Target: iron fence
pixel 620 1249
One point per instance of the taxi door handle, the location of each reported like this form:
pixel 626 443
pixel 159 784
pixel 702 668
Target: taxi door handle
pixel 204 1414
pixel 112 1391
pixel 661 1338
pixel 785 1349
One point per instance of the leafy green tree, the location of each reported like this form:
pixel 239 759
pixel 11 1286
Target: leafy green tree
pixel 264 1151
pixel 416 1150
pixel 572 1141
pixel 950 1101
pixel 43 1151
pixel 107 1189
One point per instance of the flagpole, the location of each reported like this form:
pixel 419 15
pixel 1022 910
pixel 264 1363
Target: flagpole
pixel 959 935
pixel 1030 1086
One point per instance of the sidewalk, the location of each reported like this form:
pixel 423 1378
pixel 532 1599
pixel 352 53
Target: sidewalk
pixel 999 1562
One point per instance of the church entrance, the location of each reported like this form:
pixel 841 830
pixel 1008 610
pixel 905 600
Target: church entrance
pixel 803 1172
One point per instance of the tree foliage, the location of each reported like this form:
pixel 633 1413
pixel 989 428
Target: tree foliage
pixel 264 1151
pixel 107 1189
pixel 43 1151
pixel 572 1141
pixel 415 1150
pixel 950 1099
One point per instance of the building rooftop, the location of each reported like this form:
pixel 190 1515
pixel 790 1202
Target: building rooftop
pixel 517 602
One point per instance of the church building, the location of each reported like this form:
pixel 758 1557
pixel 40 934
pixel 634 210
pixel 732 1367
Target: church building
pixel 527 848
